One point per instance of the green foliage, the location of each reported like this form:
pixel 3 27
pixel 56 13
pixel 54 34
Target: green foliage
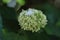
pixel 20 2
pixel 13 36
pixel 6 1
pixel 52 14
pixel 58 23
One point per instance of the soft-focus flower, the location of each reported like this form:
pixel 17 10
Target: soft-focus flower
pixel 32 20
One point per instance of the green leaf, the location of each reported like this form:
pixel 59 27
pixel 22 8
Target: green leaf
pixel 21 2
pixel 58 23
pixel 52 14
pixel 6 1
pixel 13 36
pixel 9 17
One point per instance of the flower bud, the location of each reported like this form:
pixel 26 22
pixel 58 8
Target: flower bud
pixel 32 20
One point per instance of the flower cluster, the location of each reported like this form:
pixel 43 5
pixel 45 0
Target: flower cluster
pixel 32 20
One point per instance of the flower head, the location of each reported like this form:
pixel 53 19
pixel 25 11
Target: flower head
pixel 32 20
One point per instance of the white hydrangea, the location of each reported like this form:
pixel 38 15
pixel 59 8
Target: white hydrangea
pixel 32 20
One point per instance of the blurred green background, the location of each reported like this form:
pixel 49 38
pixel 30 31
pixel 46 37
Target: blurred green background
pixel 10 30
